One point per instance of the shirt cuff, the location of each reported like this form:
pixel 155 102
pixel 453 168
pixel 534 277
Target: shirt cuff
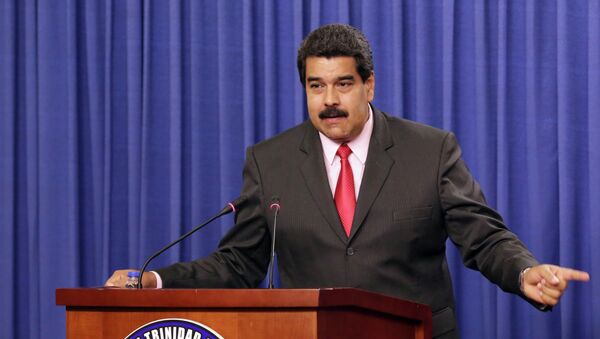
pixel 159 283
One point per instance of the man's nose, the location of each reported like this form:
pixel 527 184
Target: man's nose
pixel 331 97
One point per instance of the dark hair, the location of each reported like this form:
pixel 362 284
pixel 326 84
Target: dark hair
pixel 336 40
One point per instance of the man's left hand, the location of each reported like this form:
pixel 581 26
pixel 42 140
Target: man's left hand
pixel 545 284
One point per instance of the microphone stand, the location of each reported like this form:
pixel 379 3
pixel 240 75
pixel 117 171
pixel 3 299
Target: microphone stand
pixel 230 207
pixel 274 206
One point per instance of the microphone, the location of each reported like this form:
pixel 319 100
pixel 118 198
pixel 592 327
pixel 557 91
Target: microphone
pixel 274 207
pixel 230 207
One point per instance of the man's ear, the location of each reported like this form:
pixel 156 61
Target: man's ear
pixel 370 83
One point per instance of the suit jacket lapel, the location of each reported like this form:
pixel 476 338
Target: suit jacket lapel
pixel 315 177
pixel 377 169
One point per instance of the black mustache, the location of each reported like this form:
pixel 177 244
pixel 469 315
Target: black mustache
pixel 332 112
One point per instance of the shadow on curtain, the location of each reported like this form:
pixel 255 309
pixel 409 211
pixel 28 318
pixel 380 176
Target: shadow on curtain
pixel 124 123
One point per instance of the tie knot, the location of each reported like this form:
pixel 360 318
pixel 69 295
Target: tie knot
pixel 344 151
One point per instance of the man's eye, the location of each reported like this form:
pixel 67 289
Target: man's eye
pixel 345 83
pixel 315 85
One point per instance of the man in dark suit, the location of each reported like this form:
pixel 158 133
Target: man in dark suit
pixel 368 200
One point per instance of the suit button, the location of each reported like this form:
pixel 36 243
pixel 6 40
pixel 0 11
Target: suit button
pixel 350 251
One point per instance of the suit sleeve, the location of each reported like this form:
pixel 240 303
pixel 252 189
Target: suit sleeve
pixel 242 256
pixel 484 241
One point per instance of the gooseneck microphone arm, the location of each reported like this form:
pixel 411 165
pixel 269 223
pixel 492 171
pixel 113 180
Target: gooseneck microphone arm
pixel 230 207
pixel 274 207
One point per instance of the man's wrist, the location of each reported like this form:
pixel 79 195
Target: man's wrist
pixel 522 279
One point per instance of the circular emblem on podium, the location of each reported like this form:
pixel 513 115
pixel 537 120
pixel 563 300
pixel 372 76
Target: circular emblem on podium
pixel 174 328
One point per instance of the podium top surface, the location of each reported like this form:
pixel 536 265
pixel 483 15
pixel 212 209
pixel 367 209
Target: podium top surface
pixel 240 298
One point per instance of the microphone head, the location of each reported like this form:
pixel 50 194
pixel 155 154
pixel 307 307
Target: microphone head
pixel 234 205
pixel 275 203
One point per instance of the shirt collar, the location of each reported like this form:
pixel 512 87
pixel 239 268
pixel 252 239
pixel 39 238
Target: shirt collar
pixel 359 146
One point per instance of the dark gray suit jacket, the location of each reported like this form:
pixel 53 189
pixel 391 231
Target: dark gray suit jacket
pixel 415 193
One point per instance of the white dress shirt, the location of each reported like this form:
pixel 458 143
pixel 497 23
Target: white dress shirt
pixel 359 147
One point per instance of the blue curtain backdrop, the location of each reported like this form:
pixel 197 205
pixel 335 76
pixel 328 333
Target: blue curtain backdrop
pixel 124 123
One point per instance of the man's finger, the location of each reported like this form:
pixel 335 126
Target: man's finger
pixel 548 275
pixel 117 279
pixel 548 300
pixel 552 292
pixel 571 274
pixel 112 281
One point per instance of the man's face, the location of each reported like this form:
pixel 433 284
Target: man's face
pixel 337 98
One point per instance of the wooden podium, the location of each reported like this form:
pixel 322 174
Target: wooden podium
pixel 246 313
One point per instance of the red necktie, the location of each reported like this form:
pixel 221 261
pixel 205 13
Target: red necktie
pixel 345 200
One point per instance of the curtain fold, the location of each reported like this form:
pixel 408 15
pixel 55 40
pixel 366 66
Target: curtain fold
pixel 124 123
